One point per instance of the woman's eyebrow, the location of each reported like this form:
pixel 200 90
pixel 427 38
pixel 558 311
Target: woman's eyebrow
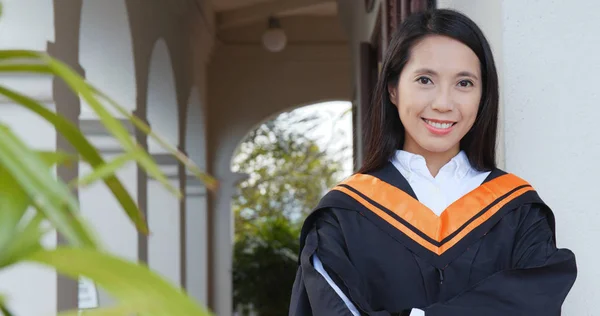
pixel 426 71
pixel 467 74
pixel 432 72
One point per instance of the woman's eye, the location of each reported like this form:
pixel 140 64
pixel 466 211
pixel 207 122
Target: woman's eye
pixel 465 83
pixel 424 80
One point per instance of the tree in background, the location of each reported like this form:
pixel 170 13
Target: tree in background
pixel 288 173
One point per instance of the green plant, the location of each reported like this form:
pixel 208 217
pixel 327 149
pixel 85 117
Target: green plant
pixel 288 172
pixel 264 269
pixel 31 196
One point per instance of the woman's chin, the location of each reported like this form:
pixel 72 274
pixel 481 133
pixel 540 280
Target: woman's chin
pixel 440 147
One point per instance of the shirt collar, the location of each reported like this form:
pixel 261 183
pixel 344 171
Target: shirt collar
pixel 458 167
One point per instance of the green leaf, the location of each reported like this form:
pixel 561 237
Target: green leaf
pixel 13 203
pixel 209 181
pixel 3 308
pixel 26 241
pixel 79 86
pixel 18 54
pixel 151 168
pixel 129 283
pixel 87 92
pixel 110 311
pixel 89 153
pixel 18 67
pixel 51 158
pixel 74 81
pixel 108 169
pixel 52 197
pixel 113 125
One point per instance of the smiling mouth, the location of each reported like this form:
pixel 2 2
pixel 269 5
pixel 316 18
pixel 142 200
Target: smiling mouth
pixel 439 124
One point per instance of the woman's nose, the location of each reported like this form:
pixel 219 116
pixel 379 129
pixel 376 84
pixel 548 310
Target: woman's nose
pixel 443 101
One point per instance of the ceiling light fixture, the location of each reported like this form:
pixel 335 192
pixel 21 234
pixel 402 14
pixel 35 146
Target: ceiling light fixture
pixel 274 38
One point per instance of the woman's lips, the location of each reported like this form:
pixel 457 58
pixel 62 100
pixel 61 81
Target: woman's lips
pixel 439 127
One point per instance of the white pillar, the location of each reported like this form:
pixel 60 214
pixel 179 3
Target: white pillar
pixel 551 67
pixel 196 203
pixel 164 242
pixel 26 283
pixel 550 113
pixel 196 239
pixel 222 232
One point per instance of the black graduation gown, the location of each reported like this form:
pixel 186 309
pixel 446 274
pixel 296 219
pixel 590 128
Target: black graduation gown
pixel 492 252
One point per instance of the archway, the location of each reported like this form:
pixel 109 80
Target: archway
pixel 291 160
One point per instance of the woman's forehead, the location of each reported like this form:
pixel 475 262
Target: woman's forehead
pixel 443 54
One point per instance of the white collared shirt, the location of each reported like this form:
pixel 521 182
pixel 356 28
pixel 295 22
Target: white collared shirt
pixel 454 180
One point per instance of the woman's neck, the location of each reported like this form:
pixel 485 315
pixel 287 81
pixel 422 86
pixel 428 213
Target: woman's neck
pixel 434 160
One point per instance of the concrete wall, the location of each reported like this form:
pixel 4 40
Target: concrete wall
pixel 550 134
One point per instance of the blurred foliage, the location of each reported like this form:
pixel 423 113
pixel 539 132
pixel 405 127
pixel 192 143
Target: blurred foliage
pixel 288 172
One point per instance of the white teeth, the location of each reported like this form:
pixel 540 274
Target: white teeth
pixel 439 125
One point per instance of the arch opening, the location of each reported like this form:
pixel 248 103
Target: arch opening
pixel 291 160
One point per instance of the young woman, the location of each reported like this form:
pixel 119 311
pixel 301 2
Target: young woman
pixel 429 225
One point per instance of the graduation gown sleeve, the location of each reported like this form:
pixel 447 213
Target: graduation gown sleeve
pixel 312 294
pixel 536 285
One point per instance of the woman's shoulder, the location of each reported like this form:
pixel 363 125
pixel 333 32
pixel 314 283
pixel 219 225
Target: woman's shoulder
pixel 532 206
pixel 509 179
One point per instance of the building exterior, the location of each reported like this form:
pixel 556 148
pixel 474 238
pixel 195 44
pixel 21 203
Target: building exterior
pixel 197 71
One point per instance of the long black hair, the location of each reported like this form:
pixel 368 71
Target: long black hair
pixel 385 133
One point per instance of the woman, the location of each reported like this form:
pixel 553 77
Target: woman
pixel 429 224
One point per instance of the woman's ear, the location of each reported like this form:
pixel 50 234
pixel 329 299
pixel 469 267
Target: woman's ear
pixel 393 92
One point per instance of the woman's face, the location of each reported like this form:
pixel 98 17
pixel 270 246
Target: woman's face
pixel 438 95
